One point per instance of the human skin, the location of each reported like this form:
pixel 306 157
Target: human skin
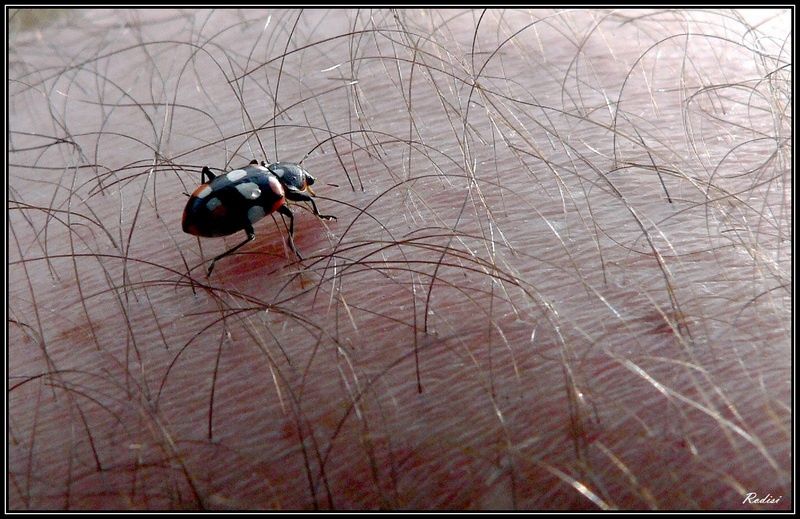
pixel 559 278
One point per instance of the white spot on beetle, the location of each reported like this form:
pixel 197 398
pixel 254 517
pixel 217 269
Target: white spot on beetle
pixel 249 190
pixel 213 203
pixel 255 213
pixel 276 186
pixel 237 174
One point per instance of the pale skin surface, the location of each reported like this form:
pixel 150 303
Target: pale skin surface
pixel 509 312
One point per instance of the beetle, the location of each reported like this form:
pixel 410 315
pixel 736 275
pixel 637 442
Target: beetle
pixel 234 201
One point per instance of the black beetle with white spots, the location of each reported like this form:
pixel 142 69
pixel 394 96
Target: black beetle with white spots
pixel 234 201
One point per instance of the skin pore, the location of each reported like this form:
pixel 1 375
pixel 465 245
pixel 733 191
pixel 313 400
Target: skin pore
pixel 559 278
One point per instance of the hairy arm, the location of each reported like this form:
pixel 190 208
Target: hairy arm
pixel 559 278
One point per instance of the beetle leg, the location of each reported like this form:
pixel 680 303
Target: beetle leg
pixel 316 211
pixel 206 173
pixel 288 212
pixel 251 235
pixel 300 197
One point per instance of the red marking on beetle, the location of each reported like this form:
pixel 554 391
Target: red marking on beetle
pixel 196 192
pixel 277 188
pixel 188 227
pixel 220 211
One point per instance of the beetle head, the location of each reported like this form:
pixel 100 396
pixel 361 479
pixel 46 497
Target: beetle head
pixel 293 176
